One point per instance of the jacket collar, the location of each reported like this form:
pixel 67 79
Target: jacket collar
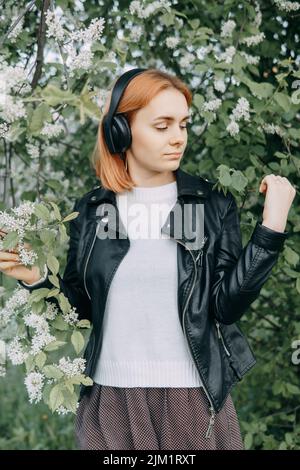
pixel 187 185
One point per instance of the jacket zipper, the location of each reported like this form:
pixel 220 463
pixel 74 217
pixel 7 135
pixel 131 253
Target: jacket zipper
pixel 211 408
pixel 220 335
pixel 86 263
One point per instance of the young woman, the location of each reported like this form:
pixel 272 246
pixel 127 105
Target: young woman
pixel 165 349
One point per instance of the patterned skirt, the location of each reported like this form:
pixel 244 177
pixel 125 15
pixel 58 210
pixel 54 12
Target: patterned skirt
pixel 150 418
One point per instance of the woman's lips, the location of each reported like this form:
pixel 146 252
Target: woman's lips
pixel 174 155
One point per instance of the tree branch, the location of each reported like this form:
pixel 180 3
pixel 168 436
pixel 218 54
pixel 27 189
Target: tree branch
pixel 41 45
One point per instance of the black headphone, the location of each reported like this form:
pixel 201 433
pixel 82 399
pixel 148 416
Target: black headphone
pixel 116 128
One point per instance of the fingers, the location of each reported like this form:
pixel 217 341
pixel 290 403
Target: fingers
pixel 276 179
pixel 9 264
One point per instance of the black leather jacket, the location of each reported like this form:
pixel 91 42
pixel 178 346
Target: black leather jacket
pixel 216 282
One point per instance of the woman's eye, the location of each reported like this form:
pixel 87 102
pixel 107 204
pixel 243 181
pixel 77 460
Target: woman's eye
pixel 164 128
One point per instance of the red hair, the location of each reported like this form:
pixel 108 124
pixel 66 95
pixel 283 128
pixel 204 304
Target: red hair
pixel 109 168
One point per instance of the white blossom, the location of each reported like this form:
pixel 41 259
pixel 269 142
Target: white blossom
pixel 92 33
pixel 2 371
pixel 143 10
pixel 227 55
pixel 241 111
pixel 25 210
pixel 51 311
pixel 16 352
pixel 34 383
pixel 271 129
pixel 251 59
pixel 4 129
pixel 13 78
pixel 228 28
pixel 233 128
pixel 186 60
pixel 17 29
pixel 71 317
pixel 172 42
pixel 136 33
pixel 33 150
pixel 287 6
pixel 219 85
pixel 18 298
pixel 40 340
pixel 52 130
pixel 253 40
pixel 258 17
pixel 54 26
pixel 71 368
pixel 13 109
pixel 202 51
pixel 212 105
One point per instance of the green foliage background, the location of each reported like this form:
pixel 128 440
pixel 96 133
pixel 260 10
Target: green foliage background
pixel 267 400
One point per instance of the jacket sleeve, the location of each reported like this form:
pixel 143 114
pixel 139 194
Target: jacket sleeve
pixel 70 284
pixel 241 272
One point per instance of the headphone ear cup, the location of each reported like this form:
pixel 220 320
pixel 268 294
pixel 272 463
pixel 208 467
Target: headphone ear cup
pixel 121 133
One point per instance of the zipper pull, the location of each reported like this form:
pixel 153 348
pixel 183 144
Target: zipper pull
pixel 218 328
pixel 211 423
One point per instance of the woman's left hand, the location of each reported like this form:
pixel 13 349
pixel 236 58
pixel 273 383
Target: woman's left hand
pixel 279 195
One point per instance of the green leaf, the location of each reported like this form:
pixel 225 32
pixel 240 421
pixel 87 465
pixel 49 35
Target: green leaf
pixel 298 285
pixel 56 210
pixel 248 441
pixel 39 116
pixel 56 397
pixel 78 341
pixel 40 359
pixel 283 100
pixel 64 303
pixel 54 96
pixel 10 240
pixel 54 280
pixel 71 216
pixel 60 324
pixel 87 381
pixel 281 155
pixel 84 324
pixel 47 237
pixel 198 101
pixel 54 345
pixel 29 363
pixel 53 293
pixel 238 180
pixel 63 233
pixel 38 294
pixel 52 372
pixel 291 256
pixel 42 212
pixel 53 264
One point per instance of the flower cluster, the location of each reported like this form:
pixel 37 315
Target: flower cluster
pixel 19 221
pixel 241 111
pixel 144 11
pixel 13 83
pixel 33 324
pixel 287 6
pixel 76 44
pixel 227 29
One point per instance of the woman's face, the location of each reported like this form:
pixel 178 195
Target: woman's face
pixel 154 137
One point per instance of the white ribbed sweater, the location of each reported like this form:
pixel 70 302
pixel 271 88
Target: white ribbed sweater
pixel 143 343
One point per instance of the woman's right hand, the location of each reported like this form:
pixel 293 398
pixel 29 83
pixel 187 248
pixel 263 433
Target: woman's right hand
pixel 11 266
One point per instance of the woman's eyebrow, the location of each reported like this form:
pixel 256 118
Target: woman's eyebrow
pixel 169 118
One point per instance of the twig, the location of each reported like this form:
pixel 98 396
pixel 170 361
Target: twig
pixel 41 45
pixel 23 13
